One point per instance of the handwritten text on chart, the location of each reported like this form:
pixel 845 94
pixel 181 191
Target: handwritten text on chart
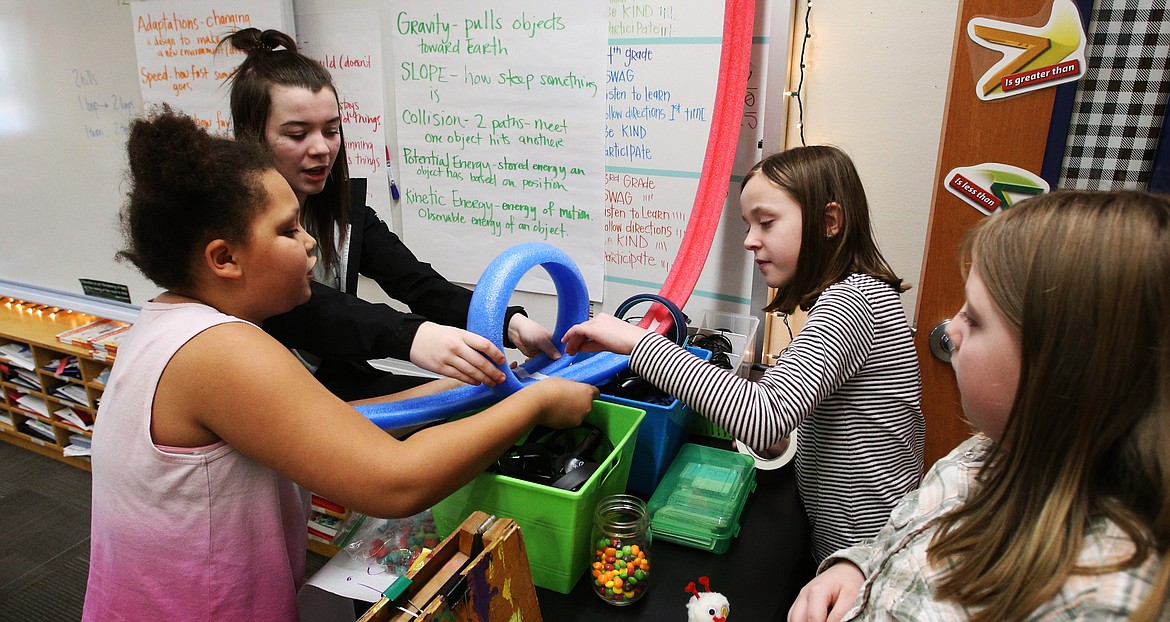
pixel 642 116
pixel 638 233
pixel 631 18
pixel 652 112
pixel 636 109
pixel 479 150
pixel 461 208
pixel 188 43
pixel 106 114
pixel 361 152
pixel 460 205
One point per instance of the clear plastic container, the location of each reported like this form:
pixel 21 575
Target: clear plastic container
pixel 701 497
pixel 620 568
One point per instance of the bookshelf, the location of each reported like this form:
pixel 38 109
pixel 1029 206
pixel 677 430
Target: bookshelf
pixel 31 400
pixel 325 519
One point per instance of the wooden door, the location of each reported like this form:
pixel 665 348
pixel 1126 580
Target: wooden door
pixel 1008 131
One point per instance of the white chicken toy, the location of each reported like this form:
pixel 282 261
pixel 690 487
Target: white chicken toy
pixel 706 606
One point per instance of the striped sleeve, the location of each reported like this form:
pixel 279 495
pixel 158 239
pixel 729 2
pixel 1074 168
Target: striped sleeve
pixel 832 346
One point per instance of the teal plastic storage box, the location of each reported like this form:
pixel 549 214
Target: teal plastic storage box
pixel 661 434
pixel 701 497
pixel 556 523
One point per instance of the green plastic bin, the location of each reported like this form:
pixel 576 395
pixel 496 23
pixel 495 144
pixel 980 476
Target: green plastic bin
pixel 556 524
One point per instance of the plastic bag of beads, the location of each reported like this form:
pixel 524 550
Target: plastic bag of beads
pixel 390 545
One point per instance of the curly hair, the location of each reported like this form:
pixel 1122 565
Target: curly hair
pixel 186 189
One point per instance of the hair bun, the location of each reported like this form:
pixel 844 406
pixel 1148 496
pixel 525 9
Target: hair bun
pixel 250 40
pixel 272 39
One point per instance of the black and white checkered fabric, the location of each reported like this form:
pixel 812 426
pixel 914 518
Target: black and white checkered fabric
pixel 1121 101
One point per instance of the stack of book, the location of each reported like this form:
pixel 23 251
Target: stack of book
pixel 32 403
pixel 325 519
pixel 106 348
pixel 19 355
pixel 12 395
pixel 71 393
pixel 64 367
pixel 100 337
pixel 22 377
pixel 36 428
pixel 78 447
pixel 75 418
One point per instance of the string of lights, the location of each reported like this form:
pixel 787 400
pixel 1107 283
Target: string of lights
pixel 32 308
pixel 797 93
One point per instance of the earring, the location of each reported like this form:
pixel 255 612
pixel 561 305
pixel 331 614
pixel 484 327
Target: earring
pixel 828 236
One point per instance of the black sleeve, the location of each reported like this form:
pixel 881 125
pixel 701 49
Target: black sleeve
pixel 336 325
pixel 386 260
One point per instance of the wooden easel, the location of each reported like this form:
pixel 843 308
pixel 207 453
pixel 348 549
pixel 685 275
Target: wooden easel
pixel 466 579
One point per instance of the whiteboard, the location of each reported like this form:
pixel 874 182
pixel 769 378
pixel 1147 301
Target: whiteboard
pixel 70 89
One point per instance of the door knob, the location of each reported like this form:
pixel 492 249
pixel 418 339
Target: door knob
pixel 940 345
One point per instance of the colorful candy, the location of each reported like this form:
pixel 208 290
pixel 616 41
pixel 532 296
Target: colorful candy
pixel 620 570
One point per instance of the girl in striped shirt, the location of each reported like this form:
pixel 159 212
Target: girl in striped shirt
pixel 849 380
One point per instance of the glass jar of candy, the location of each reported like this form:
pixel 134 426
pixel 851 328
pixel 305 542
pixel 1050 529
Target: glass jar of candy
pixel 620 567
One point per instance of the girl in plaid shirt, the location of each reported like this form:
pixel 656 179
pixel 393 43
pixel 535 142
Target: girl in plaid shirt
pixel 1058 508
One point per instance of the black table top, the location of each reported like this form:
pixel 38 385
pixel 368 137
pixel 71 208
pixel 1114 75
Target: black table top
pixel 760 573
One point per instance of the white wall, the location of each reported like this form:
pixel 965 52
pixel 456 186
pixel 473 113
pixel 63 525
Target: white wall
pixel 875 85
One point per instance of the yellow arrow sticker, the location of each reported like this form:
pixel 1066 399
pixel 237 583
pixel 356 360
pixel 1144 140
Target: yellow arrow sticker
pixel 1033 58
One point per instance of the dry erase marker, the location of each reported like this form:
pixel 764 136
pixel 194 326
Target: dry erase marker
pixel 390 175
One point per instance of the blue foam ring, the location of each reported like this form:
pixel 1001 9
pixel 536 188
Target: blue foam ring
pixel 489 304
pixel 486 317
